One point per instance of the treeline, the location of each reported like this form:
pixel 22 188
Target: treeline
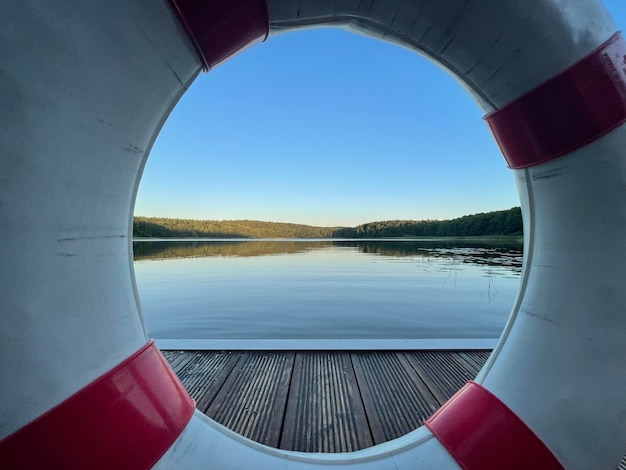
pixel 156 227
pixel 507 222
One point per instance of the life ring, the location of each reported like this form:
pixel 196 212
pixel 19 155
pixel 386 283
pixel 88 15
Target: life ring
pixel 86 87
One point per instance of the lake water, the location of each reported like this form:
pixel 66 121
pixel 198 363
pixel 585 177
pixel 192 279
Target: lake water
pixel 328 289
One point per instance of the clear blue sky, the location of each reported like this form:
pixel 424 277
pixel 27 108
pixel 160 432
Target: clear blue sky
pixel 324 127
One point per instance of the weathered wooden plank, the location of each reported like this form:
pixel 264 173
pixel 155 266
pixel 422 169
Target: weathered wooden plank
pixel 324 410
pixel 477 361
pixel 205 373
pixel 470 366
pixel 440 371
pixel 253 398
pixel 439 394
pixel 395 398
pixel 177 361
pixel 171 355
pixel 481 356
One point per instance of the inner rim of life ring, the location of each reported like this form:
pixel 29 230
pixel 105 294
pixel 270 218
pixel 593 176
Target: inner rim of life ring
pixel 410 141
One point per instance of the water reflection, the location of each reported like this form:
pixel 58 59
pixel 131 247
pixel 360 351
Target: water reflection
pixel 502 253
pixel 159 249
pixel 335 289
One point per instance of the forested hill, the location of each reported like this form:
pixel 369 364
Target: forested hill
pixel 189 228
pixel 508 222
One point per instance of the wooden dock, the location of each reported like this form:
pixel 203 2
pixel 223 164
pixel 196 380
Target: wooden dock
pixel 324 401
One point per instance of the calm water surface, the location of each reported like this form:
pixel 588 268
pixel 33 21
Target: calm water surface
pixel 302 289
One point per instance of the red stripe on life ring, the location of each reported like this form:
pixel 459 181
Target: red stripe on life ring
pixel 220 29
pixel 126 419
pixel 482 433
pixel 574 108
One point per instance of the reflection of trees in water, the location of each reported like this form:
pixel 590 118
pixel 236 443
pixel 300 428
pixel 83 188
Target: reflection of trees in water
pixel 154 250
pixel 503 254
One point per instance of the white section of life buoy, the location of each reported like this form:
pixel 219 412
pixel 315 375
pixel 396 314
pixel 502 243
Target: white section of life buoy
pixel 86 88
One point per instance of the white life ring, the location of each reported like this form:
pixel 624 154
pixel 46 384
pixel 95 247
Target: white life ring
pixel 86 87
